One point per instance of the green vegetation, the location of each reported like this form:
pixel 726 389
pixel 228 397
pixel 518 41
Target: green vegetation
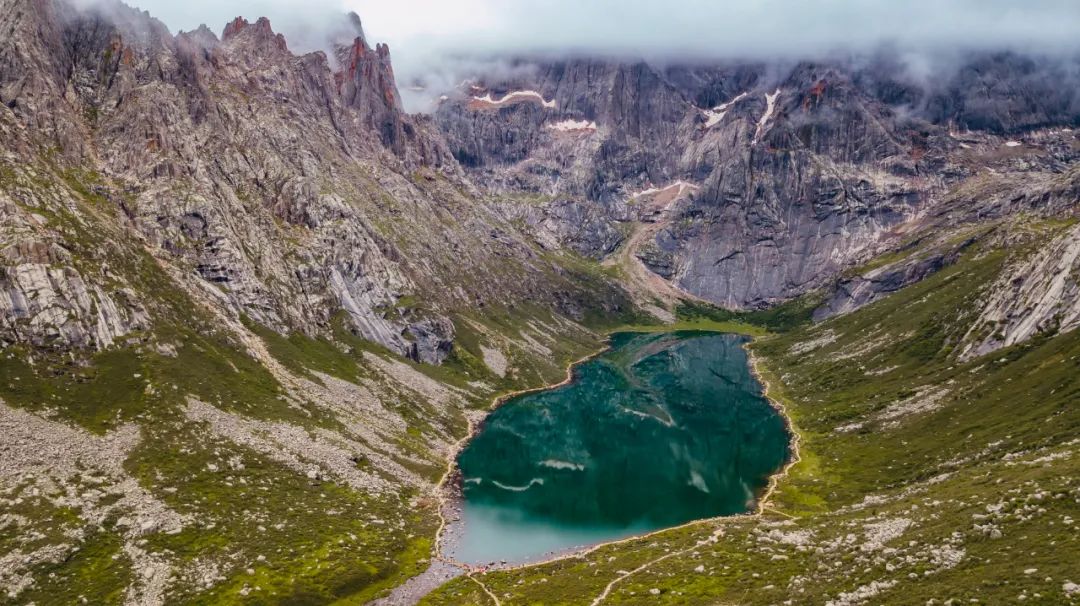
pixel 320 541
pixel 930 473
pixel 136 382
pixel 302 354
pixel 286 538
pixel 923 475
pixel 256 530
pixel 780 318
pixel 698 323
pixel 99 572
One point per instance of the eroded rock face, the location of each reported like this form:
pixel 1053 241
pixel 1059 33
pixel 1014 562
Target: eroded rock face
pixel 861 290
pixel 228 144
pixel 50 306
pixel 299 193
pixel 293 188
pixel 584 226
pixel 803 169
pixel 796 177
pixel 49 297
pixel 1038 295
pixel 584 127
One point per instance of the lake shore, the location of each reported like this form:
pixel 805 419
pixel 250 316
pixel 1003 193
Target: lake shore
pixel 451 528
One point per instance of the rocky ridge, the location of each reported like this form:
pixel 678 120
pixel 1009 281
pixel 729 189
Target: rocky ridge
pixel 247 264
pixel 294 187
pixel 804 170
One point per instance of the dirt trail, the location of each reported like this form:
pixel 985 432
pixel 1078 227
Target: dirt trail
pixel 715 536
pixel 414 590
pixel 650 291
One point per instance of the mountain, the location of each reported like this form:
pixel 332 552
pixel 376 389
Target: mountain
pixel 223 260
pixel 251 308
pixel 289 189
pixel 799 171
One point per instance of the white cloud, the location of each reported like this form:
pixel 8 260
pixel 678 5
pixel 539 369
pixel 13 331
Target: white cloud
pixel 424 35
pixel 699 27
pixel 714 28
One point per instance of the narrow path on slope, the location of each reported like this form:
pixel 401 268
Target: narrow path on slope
pixel 713 538
pixel 493 597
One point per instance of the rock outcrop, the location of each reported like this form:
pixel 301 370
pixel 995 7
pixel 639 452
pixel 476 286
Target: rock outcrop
pixel 48 303
pixel 1039 295
pixel 861 290
pixel 294 188
pixel 804 169
pixel 801 171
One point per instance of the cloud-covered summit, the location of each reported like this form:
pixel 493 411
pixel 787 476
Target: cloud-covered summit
pixel 432 39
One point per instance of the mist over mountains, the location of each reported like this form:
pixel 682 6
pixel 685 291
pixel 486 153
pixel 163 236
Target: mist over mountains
pixel 438 44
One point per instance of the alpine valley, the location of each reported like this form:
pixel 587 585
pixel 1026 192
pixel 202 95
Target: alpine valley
pixel 252 311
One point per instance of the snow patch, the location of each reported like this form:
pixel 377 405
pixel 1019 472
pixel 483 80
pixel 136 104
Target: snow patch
pixel 770 109
pixel 678 188
pixel 715 115
pixel 520 95
pixel 1013 144
pixel 573 126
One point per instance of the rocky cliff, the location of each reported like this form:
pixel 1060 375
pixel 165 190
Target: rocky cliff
pixel 294 188
pixel 246 302
pixel 802 169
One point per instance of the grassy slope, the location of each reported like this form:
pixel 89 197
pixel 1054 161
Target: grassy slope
pixel 327 548
pixel 1018 400
pixel 957 501
pixel 136 382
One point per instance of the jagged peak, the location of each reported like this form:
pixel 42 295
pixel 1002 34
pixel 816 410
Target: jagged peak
pixel 360 49
pixel 261 30
pixel 234 27
pixel 137 27
pixel 263 24
pixel 201 35
pixel 203 30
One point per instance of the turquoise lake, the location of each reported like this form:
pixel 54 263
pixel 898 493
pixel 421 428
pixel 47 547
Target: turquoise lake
pixel 660 430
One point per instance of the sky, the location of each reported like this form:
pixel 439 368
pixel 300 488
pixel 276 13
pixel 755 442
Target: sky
pixel 431 40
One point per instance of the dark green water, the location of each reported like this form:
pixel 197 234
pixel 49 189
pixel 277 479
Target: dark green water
pixel 660 430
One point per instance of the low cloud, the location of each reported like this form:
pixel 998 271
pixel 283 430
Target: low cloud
pixel 438 41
